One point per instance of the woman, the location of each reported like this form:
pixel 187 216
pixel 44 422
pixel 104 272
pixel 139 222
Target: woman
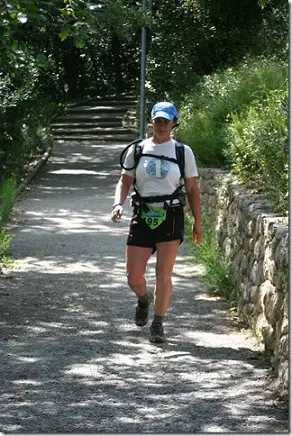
pixel 158 219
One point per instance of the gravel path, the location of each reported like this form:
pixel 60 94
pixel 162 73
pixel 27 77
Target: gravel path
pixel 73 359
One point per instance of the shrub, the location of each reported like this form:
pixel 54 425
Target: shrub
pixel 206 111
pixel 25 126
pixel 257 147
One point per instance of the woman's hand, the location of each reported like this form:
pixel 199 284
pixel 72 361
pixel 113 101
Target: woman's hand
pixel 117 213
pixel 121 193
pixel 197 232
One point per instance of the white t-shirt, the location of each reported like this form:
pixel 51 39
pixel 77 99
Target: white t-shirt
pixel 158 176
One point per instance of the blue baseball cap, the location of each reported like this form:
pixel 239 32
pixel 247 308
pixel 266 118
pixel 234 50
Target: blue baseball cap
pixel 164 109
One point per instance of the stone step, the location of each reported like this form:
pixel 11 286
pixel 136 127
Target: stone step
pixel 91 130
pixel 98 119
pixel 101 118
pixel 106 109
pixel 130 95
pixel 113 102
pixel 67 123
pixel 117 139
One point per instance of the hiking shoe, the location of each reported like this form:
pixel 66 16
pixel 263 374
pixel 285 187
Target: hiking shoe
pixel 142 311
pixel 156 333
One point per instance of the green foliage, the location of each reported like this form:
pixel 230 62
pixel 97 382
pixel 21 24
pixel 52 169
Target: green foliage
pixel 257 147
pixel 238 118
pixel 25 112
pixel 206 111
pixel 53 51
pixel 25 127
pixel 195 37
pixel 9 191
pixel 78 48
pixel 218 275
pixel 273 34
pixel 82 48
pixel 65 50
pixel 4 247
pixel 83 20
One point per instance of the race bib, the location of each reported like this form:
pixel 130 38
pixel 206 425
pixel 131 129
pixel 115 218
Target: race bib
pixel 154 217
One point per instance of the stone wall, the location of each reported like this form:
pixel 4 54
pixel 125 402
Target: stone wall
pixel 254 241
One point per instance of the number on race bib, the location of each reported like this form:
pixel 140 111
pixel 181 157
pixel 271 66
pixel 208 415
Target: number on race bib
pixel 154 217
pixel 151 221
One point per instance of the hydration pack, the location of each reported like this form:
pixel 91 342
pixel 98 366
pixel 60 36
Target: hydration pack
pixel 178 195
pixel 138 151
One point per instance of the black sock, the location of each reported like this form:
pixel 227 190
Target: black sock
pixel 158 319
pixel 144 298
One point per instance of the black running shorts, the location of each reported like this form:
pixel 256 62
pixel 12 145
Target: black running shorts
pixel 140 235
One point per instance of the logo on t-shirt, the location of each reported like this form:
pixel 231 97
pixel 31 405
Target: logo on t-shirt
pixel 157 168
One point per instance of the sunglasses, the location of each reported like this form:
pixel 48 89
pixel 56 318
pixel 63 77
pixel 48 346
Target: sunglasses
pixel 161 120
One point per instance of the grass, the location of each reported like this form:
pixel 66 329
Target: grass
pixel 9 191
pixel 217 272
pixel 5 261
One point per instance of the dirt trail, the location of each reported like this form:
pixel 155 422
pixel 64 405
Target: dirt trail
pixel 73 359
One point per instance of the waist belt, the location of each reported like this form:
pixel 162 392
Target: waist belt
pixel 141 202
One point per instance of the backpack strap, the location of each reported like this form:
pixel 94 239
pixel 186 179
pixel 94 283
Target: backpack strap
pixel 138 151
pixel 137 156
pixel 180 156
pixel 162 157
pixel 138 147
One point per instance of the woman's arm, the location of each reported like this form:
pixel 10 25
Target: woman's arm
pixel 193 195
pixel 121 193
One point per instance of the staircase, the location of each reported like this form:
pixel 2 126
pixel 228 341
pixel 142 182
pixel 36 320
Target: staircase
pixel 101 119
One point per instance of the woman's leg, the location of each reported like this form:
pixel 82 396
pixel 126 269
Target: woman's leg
pixel 136 262
pixel 166 255
pixel 137 258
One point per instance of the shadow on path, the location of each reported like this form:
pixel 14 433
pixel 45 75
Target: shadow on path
pixel 73 359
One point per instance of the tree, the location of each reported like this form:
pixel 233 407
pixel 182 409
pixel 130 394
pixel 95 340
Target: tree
pixel 64 36
pixel 191 38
